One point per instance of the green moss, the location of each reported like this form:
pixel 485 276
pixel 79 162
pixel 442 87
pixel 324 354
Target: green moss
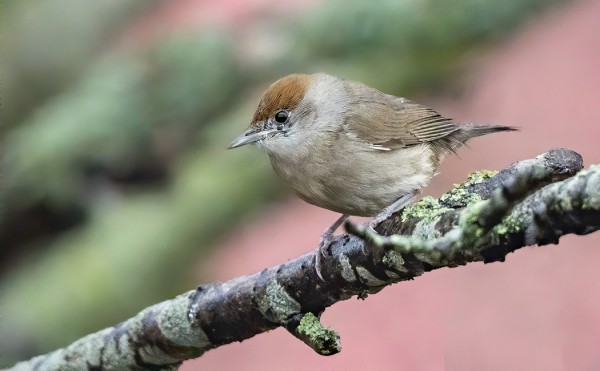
pixel 323 340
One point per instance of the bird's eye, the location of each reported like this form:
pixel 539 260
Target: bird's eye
pixel 281 116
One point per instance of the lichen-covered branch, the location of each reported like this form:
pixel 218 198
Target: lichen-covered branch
pixel 490 215
pixel 480 228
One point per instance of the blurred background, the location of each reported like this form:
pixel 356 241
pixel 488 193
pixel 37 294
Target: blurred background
pixel 117 191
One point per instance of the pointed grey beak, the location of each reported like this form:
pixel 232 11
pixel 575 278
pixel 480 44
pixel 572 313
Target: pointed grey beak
pixel 249 137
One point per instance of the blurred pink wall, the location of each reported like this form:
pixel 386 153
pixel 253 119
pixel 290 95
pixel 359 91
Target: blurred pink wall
pixel 537 311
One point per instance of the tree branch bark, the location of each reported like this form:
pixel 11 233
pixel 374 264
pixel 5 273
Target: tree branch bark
pixel 490 215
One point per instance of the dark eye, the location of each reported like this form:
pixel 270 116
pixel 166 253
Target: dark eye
pixel 281 116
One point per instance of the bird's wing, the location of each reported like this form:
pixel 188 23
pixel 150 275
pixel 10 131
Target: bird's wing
pixel 388 122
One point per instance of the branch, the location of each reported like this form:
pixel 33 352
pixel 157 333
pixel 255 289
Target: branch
pixel 483 219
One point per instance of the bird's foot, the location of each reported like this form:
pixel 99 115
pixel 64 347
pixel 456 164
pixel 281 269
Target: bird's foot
pixel 324 242
pixel 399 204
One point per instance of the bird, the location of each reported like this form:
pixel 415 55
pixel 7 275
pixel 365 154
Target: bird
pixel 347 147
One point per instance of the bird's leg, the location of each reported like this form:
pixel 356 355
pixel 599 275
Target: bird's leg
pixel 326 238
pixel 404 200
pixel 400 203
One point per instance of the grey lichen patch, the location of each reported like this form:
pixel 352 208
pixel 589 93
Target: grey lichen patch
pixel 347 272
pixel 431 257
pixel 277 305
pixel 323 340
pixel 592 200
pixel 77 356
pixel 566 203
pixel 176 326
pixel 144 322
pixel 394 260
pixel 153 354
pixel 428 209
pixel 121 348
pixel 368 278
pixel 426 230
pixel 392 275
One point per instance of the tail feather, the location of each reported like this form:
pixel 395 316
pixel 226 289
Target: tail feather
pixel 460 137
pixel 472 131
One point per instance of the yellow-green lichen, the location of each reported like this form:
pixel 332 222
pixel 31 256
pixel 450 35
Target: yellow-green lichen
pixel 460 195
pixel 508 226
pixel 428 209
pixel 323 340
pixel 477 177
pixel 469 225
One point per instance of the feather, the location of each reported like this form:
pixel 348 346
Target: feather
pixel 386 121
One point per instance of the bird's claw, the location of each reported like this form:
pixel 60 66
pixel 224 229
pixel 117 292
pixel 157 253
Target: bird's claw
pixel 320 253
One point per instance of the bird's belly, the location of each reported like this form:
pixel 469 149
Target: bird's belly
pixel 360 183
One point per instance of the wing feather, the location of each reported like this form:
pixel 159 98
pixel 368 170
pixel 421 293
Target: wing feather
pixel 387 121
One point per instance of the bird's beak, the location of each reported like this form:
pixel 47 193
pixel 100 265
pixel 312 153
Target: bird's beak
pixel 249 136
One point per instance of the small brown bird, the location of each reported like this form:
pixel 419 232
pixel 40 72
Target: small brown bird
pixel 350 148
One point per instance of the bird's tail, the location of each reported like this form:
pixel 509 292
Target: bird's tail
pixel 465 132
pixel 471 131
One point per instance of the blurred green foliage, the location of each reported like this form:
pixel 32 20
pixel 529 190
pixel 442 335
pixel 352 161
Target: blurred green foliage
pixel 114 175
pixel 47 45
pixel 124 113
pixel 402 46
